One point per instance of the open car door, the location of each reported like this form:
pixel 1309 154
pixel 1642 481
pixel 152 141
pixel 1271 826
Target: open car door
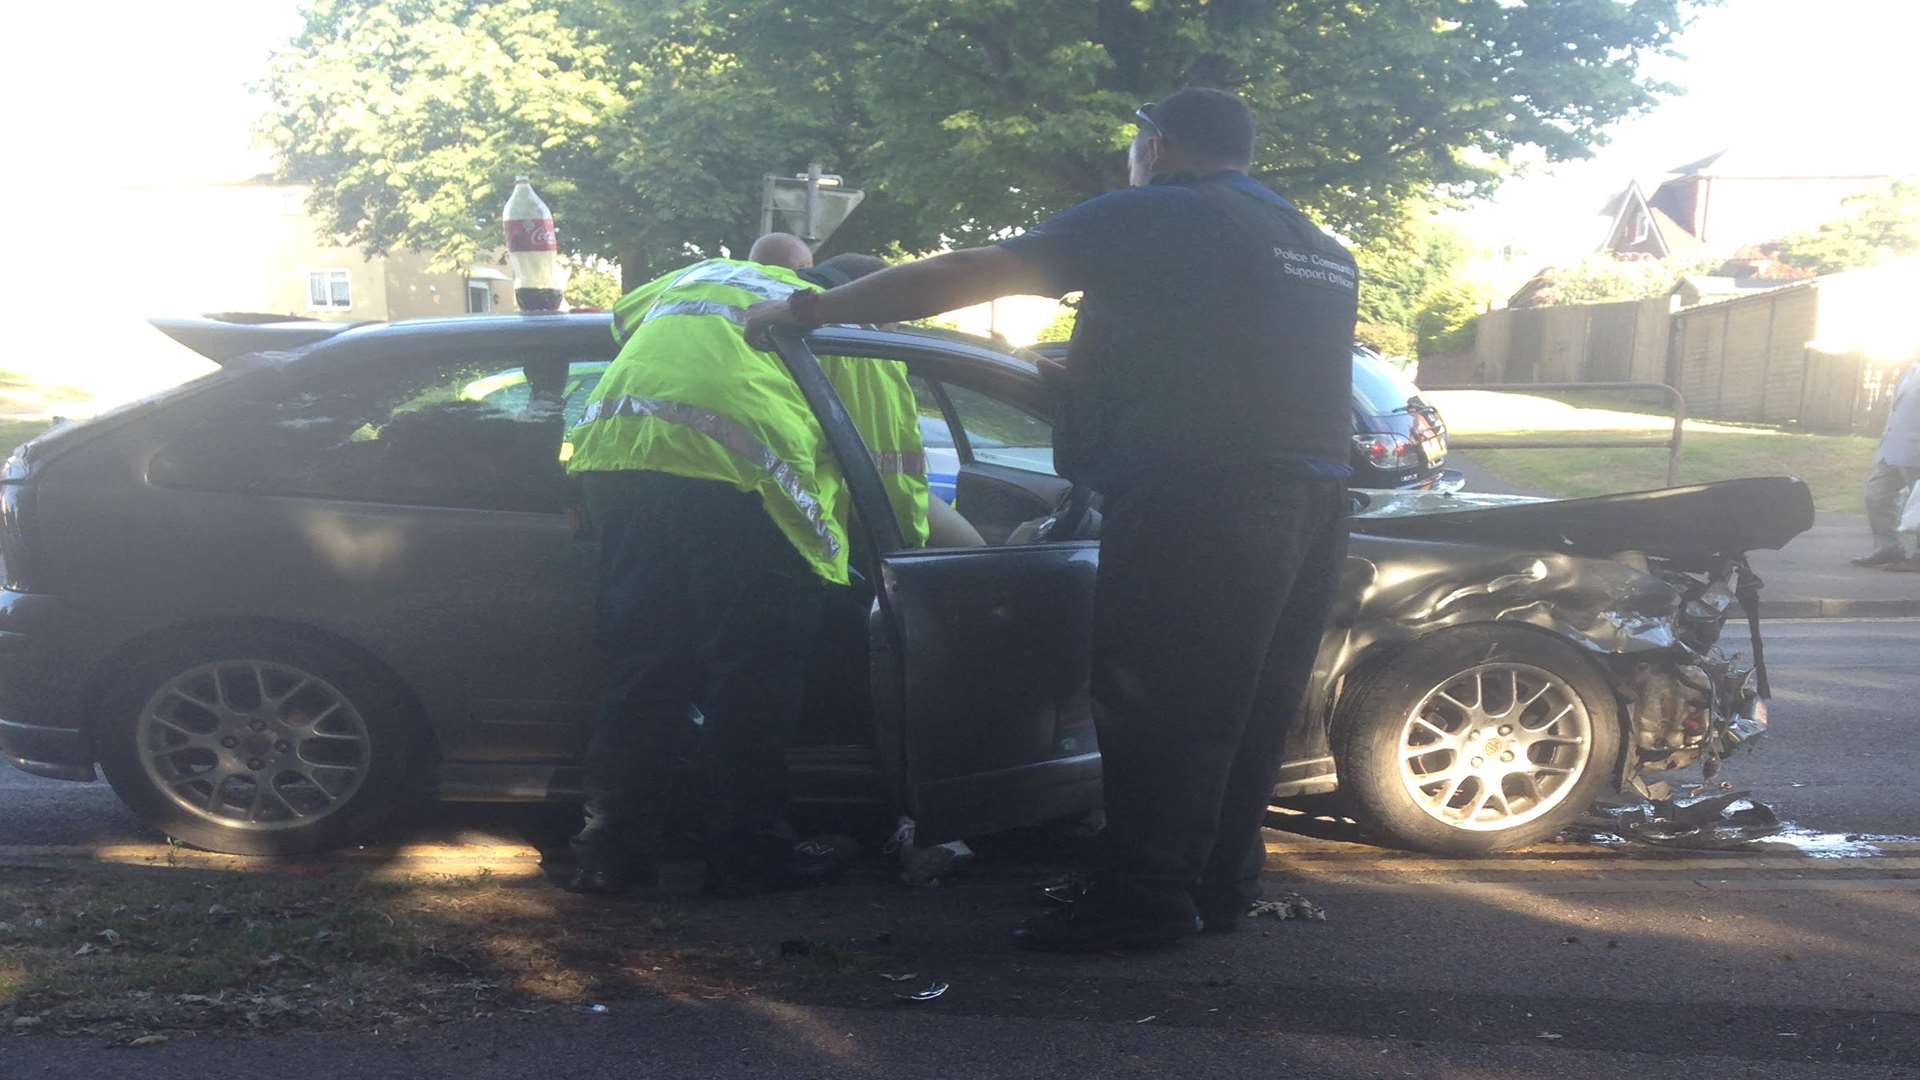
pixel 980 664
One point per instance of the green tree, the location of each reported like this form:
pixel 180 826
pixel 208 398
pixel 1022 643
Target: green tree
pixel 1445 321
pixel 1413 299
pixel 1883 224
pixel 647 126
pixel 1601 278
pixel 1061 328
pixel 591 285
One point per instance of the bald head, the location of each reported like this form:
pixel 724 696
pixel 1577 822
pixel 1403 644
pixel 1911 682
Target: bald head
pixel 781 249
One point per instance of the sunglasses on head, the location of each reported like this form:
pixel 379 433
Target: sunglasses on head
pixel 1146 120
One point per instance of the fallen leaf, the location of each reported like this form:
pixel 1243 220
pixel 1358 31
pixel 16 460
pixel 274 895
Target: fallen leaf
pixel 86 950
pixel 109 938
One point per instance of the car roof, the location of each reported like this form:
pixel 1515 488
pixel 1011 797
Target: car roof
pixel 592 330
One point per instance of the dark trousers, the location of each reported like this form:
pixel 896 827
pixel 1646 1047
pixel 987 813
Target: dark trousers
pixel 704 604
pixel 1886 490
pixel 1212 599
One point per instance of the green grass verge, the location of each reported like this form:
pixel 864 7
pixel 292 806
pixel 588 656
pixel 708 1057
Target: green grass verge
pixel 1832 465
pixel 15 432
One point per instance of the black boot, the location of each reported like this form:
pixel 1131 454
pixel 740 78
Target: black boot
pixel 1112 918
pixel 604 867
pixel 602 880
pixel 794 865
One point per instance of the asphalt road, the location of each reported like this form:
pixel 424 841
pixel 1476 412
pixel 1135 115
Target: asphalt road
pixel 1563 961
pixel 1842 757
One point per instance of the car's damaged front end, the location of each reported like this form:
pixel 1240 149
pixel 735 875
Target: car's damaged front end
pixel 1698 701
pixel 1641 585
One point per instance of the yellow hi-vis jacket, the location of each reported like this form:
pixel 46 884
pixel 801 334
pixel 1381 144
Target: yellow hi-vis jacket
pixel 687 396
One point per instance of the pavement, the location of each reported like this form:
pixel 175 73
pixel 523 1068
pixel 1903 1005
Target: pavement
pixel 1808 579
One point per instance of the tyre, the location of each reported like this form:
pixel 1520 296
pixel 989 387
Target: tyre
pixel 1475 740
pixel 259 743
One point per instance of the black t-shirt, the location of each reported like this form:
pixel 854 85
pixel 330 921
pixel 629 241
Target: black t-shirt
pixel 1215 333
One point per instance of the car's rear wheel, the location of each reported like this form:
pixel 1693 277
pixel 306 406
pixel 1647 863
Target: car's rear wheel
pixel 1475 740
pixel 258 743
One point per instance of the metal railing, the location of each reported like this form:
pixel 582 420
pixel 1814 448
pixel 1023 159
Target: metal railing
pixel 1672 443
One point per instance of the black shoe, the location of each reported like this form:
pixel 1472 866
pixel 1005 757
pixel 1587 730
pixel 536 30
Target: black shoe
pixel 801 865
pixel 1060 890
pixel 1223 916
pixel 1099 922
pixel 1881 557
pixel 596 880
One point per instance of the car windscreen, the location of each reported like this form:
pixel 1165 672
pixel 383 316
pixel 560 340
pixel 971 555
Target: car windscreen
pixel 1378 389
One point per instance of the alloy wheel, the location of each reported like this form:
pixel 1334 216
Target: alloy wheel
pixel 1495 746
pixel 254 744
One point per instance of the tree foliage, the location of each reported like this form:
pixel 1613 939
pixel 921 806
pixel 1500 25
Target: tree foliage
pixel 1412 298
pixel 1881 225
pixel 1602 278
pixel 591 285
pixel 648 125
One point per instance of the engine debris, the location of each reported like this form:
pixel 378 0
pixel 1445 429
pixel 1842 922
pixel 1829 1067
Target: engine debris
pixel 1288 906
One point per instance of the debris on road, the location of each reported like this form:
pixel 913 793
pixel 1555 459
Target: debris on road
pixel 1288 906
pixel 933 990
pixel 908 977
pixel 145 1041
pixel 595 1009
pixel 1725 821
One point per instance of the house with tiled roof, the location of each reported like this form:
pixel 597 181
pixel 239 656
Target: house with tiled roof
pixel 1734 199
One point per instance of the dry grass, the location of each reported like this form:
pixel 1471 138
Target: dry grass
pixel 122 952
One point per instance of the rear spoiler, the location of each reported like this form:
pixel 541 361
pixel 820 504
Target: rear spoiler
pixel 222 342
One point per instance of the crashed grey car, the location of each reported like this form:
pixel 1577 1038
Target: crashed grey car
pixel 279 604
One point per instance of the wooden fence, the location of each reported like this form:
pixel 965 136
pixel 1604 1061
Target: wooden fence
pixel 1751 358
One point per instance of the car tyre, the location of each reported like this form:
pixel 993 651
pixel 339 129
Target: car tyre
pixel 1475 740
pixel 259 742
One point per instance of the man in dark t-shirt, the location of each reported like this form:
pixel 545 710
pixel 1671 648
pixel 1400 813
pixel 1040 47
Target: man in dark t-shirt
pixel 1206 396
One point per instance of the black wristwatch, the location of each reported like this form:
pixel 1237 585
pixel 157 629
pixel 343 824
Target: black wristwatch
pixel 805 305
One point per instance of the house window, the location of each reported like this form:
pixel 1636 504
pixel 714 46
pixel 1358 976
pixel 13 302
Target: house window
pixel 328 289
pixel 479 298
pixel 1642 228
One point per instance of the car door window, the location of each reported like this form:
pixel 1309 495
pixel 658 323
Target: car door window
pixel 1000 434
pixel 476 432
pixel 936 439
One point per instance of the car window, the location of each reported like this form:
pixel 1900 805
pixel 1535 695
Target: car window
pixel 459 432
pixel 1379 389
pixel 508 390
pixel 934 431
pixel 1001 434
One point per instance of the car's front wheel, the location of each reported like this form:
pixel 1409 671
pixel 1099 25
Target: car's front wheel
pixel 257 743
pixel 1474 740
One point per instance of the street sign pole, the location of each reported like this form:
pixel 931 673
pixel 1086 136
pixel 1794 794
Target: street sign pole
pixel 813 204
